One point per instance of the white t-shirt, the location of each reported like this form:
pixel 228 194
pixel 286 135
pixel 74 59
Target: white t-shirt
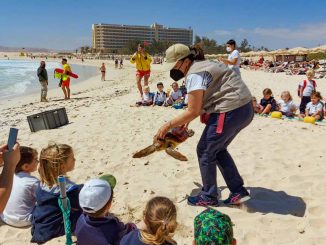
pixel 176 95
pixel 312 109
pixel 235 55
pixel 287 107
pixel 18 211
pixel 147 97
pixel 198 81
pixel 308 89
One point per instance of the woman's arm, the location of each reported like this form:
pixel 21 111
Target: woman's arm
pixel 11 159
pixel 229 62
pixel 195 102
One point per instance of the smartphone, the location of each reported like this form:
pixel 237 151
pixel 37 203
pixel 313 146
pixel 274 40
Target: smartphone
pixel 13 133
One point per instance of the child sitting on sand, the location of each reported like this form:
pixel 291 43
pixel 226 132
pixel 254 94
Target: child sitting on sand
pixel 158 225
pixel 160 95
pixel 268 102
pixel 47 223
pixel 96 225
pixel 315 108
pixel 175 95
pixel 18 211
pixel 213 227
pixel 286 104
pixel 147 98
pixel 258 108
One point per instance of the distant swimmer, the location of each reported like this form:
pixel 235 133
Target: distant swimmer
pixel 103 71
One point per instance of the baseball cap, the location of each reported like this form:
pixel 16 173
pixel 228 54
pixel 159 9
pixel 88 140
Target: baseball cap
pixel 213 227
pixel 175 53
pixel 96 193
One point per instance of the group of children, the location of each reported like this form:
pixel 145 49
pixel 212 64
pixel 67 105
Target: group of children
pixel 311 101
pixel 35 203
pixel 177 98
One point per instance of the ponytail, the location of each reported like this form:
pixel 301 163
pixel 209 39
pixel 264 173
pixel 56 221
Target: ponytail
pixel 198 52
pixel 160 219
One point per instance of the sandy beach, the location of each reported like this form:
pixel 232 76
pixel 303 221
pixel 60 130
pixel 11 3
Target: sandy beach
pixel 281 161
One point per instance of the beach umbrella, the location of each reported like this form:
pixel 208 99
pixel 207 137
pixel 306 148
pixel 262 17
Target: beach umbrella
pixel 278 52
pixel 262 53
pixel 298 50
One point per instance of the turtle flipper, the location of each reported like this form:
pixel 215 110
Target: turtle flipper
pixel 145 152
pixel 175 154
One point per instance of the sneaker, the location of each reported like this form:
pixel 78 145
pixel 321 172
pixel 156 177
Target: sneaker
pixel 202 200
pixel 237 198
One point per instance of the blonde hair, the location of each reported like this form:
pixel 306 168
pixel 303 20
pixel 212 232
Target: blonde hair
pixel 51 160
pixel 146 88
pixel 160 217
pixel 310 73
pixel 286 93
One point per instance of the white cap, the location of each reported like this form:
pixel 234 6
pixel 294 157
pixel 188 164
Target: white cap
pixel 94 195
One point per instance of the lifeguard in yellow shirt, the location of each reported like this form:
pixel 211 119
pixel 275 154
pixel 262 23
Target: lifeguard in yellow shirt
pixel 143 65
pixel 65 80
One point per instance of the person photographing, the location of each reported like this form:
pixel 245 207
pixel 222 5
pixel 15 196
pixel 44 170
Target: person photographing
pixel 143 65
pixel 222 100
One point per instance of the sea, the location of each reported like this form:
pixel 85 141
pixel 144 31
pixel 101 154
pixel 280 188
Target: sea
pixel 19 77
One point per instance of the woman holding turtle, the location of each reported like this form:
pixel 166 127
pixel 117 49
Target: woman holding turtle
pixel 222 100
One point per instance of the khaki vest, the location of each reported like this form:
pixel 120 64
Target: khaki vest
pixel 226 91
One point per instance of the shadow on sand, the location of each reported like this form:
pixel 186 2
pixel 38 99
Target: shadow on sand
pixel 266 201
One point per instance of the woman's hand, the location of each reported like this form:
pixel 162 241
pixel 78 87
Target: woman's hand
pixel 162 131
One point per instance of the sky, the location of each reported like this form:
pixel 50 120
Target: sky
pixel 67 25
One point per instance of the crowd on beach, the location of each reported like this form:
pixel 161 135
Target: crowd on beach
pixel 311 104
pixel 29 201
pixel 290 68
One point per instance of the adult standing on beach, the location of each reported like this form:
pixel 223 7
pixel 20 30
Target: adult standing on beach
pixel 65 80
pixel 103 71
pixel 43 78
pixel 234 59
pixel 143 65
pixel 224 98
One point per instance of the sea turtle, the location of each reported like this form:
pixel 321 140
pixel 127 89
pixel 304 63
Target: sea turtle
pixel 173 138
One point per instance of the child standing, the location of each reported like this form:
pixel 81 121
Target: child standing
pixel 268 102
pixel 305 90
pixel 158 226
pixel 315 107
pixel 286 104
pixel 175 95
pixel 160 95
pixel 18 211
pixel 47 222
pixel 213 227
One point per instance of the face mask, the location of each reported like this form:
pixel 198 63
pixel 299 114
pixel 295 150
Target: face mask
pixel 228 49
pixel 180 69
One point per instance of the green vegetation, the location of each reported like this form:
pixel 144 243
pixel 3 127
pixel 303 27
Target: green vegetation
pixel 317 56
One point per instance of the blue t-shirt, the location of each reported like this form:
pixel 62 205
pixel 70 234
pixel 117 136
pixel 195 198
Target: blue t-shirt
pixel 133 238
pixel 100 231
